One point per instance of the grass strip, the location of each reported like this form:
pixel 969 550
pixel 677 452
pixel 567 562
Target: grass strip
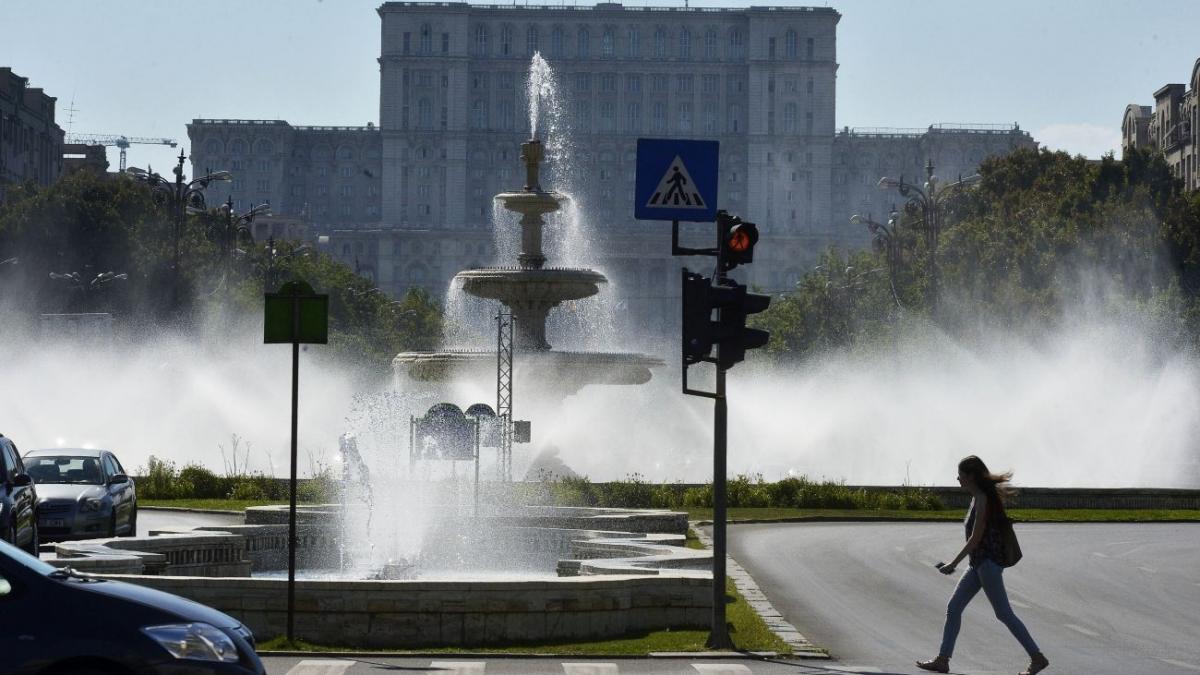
pixel 237 505
pixel 1019 515
pixel 746 629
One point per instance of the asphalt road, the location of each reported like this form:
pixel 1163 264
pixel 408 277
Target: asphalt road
pixel 1098 598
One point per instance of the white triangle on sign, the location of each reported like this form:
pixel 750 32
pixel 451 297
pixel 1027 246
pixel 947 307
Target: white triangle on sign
pixel 676 190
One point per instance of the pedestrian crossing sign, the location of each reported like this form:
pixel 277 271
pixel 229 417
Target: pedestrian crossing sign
pixel 676 180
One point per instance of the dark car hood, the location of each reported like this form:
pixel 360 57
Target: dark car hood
pixel 185 609
pixel 71 491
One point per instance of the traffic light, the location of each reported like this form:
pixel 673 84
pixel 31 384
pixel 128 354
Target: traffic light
pixel 728 332
pixel 697 318
pixel 734 338
pixel 736 240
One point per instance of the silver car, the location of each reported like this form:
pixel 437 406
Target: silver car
pixel 82 494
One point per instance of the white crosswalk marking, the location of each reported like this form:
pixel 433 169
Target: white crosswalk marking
pixel 321 667
pixel 1179 664
pixel 722 669
pixel 589 668
pixel 853 669
pixel 459 667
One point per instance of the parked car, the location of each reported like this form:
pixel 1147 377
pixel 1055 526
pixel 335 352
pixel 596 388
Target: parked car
pixel 85 494
pixel 60 621
pixel 18 500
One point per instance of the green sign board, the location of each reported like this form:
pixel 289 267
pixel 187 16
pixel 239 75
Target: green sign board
pixel 281 325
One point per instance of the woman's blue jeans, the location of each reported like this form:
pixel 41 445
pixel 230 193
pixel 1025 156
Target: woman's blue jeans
pixel 990 577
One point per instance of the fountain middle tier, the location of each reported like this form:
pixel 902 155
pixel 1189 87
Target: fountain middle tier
pixel 530 294
pixel 548 374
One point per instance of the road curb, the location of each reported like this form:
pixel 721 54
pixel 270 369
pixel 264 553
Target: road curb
pixel 180 509
pixel 802 647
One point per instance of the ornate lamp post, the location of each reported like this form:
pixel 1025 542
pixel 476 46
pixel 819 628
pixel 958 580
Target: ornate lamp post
pixel 234 228
pixel 88 287
pixel 887 238
pixel 181 197
pixel 274 254
pixel 930 200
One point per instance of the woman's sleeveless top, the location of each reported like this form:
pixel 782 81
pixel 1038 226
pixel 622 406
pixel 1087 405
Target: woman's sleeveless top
pixel 992 545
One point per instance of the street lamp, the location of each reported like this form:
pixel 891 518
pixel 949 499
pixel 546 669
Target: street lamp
pixel 235 227
pixel 887 238
pixel 87 287
pixel 181 197
pixel 274 254
pixel 931 201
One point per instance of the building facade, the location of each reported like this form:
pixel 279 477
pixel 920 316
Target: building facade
pixel 31 143
pixel 328 175
pixel 454 110
pixel 1171 127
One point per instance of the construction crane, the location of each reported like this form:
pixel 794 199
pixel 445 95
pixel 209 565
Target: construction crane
pixel 122 142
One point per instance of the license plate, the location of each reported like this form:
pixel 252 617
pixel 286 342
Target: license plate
pixel 48 522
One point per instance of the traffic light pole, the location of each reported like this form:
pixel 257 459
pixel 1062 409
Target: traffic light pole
pixel 700 297
pixel 718 638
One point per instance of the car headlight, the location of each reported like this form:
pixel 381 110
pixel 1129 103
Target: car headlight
pixel 91 504
pixel 197 641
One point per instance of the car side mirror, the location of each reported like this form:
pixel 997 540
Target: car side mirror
pixel 118 479
pixel 22 480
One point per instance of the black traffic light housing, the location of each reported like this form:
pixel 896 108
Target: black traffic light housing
pixel 728 332
pixel 735 241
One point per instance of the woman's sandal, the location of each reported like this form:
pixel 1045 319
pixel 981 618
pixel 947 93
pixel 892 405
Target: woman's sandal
pixel 1037 664
pixel 939 665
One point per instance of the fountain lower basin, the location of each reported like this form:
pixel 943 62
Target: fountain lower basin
pixel 610 582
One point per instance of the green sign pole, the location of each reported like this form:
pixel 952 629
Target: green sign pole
pixel 291 608
pixel 297 315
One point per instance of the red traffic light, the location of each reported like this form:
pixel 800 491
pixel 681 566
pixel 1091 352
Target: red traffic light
pixel 742 238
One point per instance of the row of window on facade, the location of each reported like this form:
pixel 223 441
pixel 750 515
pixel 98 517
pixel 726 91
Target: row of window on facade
pixel 635 119
pixel 614 43
pixel 238 147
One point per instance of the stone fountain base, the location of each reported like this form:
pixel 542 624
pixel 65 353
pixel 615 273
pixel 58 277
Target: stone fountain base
pixel 553 372
pixel 619 572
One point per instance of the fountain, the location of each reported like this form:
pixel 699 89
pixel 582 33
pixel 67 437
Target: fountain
pixel 529 291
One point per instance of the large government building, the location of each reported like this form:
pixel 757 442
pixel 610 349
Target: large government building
pixel 409 202
pixel 1171 126
pixel 31 142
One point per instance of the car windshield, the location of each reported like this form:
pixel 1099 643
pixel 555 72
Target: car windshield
pixel 65 469
pixel 24 559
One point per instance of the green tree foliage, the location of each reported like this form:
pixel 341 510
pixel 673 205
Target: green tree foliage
pixel 88 225
pixel 1043 234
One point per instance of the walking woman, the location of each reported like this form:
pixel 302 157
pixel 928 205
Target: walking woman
pixel 985 548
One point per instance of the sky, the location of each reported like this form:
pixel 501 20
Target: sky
pixel 1064 70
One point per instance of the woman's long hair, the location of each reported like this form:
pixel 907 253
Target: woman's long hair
pixel 994 485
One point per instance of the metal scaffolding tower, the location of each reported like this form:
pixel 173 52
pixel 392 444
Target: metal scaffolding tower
pixel 504 391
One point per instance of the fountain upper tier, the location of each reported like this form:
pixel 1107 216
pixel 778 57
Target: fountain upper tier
pixel 529 290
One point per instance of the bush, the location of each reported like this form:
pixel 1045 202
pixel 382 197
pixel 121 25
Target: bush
pixel 160 480
pixel 698 497
pixel 632 493
pixel 573 491
pixel 741 492
pixel 205 484
pixel 320 489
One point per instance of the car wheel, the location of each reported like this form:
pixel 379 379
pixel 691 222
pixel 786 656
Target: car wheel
pixel 34 542
pixel 132 524
pixel 112 525
pixel 11 537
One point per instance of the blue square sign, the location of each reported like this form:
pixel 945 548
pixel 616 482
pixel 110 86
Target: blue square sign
pixel 676 180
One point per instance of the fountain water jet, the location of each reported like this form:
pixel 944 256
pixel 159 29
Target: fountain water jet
pixel 531 289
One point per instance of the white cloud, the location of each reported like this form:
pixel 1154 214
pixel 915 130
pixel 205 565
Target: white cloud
pixel 1084 138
